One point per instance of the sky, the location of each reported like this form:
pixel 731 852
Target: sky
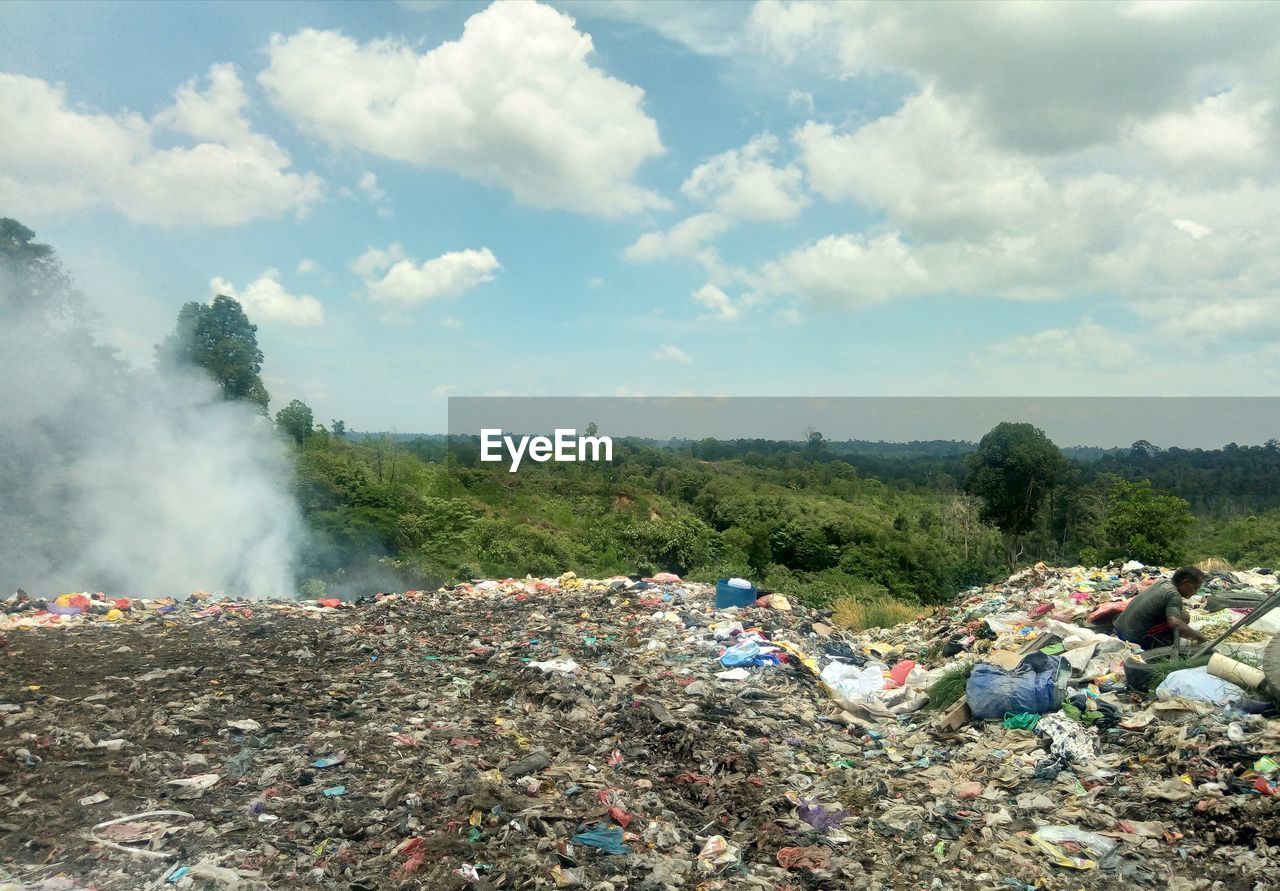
pixel 421 199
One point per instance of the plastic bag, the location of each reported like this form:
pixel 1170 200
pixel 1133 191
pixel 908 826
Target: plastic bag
pixel 1036 685
pixel 851 682
pixel 741 654
pixel 1057 841
pixel 1198 684
pixel 608 841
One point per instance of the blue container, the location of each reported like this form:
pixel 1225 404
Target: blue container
pixel 727 595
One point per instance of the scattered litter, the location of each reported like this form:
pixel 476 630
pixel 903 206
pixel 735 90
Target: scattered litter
pixel 619 733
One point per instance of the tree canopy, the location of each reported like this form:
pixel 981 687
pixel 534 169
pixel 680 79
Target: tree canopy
pixel 1012 471
pixel 1146 525
pixel 295 420
pixel 219 338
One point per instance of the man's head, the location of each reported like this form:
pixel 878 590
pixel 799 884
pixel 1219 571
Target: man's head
pixel 1188 580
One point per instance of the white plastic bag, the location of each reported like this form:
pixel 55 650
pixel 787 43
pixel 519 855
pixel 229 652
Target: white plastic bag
pixel 854 683
pixel 1198 684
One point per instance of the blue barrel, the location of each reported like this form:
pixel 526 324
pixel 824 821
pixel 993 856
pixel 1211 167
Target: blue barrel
pixel 727 595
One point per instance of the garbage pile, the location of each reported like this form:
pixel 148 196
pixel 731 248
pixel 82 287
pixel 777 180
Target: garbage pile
pixel 618 734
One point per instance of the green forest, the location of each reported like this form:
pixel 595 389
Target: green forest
pixel 794 517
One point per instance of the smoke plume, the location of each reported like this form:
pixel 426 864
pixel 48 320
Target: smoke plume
pixel 127 481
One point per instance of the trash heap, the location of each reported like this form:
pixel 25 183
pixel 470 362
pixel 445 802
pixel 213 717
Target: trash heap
pixel 618 734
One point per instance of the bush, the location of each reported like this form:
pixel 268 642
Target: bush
pixel 312 589
pixel 947 690
pixel 1145 525
pixel 880 612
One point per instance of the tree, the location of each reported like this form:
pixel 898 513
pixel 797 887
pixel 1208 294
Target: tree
pixel 295 420
pixel 1012 471
pixel 219 338
pixel 814 443
pixel 1145 525
pixel 33 281
pixel 339 428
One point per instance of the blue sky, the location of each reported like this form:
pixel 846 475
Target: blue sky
pixel 612 198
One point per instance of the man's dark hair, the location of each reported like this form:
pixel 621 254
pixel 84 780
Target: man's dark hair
pixel 1187 574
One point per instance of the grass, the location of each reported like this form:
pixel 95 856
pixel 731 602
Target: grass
pixel 857 614
pixel 948 689
pixel 1165 667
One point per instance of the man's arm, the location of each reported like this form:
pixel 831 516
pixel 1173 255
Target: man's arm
pixel 1179 624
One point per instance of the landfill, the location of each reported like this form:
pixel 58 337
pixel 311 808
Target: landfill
pixel 624 734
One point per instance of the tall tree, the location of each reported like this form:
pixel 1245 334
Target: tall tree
pixel 219 338
pixel 295 420
pixel 34 285
pixel 1012 471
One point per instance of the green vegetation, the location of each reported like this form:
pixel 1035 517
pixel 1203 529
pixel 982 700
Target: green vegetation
pixel 791 516
pixel 1147 526
pixel 219 338
pixel 792 523
pixel 1163 668
pixel 1252 540
pixel 858 614
pixel 1012 473
pixel 947 689
pixel 295 420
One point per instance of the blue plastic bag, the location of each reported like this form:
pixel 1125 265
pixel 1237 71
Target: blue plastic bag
pixel 609 841
pixel 743 654
pixel 1036 685
pixel 747 654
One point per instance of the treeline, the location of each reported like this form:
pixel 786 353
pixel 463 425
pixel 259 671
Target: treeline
pixel 793 517
pixel 814 527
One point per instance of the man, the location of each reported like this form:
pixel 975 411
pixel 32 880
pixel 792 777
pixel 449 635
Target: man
pixel 1153 616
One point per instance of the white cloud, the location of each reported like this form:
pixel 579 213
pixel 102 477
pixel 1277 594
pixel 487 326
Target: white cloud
pixel 369 186
pixel 306 267
pixel 683 241
pixel 451 322
pixel 595 282
pixel 514 102
pixel 670 353
pixel 392 278
pixel 929 168
pixel 800 100
pixel 1085 344
pixel 265 300
pixel 1249 319
pixel 956 213
pixel 718 302
pixel 58 158
pixel 443 390
pixel 1192 228
pixel 743 184
pixel 376 260
pixel 711 29
pixel 1226 131
pixel 848 271
pixel 1044 77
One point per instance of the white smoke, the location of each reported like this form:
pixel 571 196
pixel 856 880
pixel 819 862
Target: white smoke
pixel 132 482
